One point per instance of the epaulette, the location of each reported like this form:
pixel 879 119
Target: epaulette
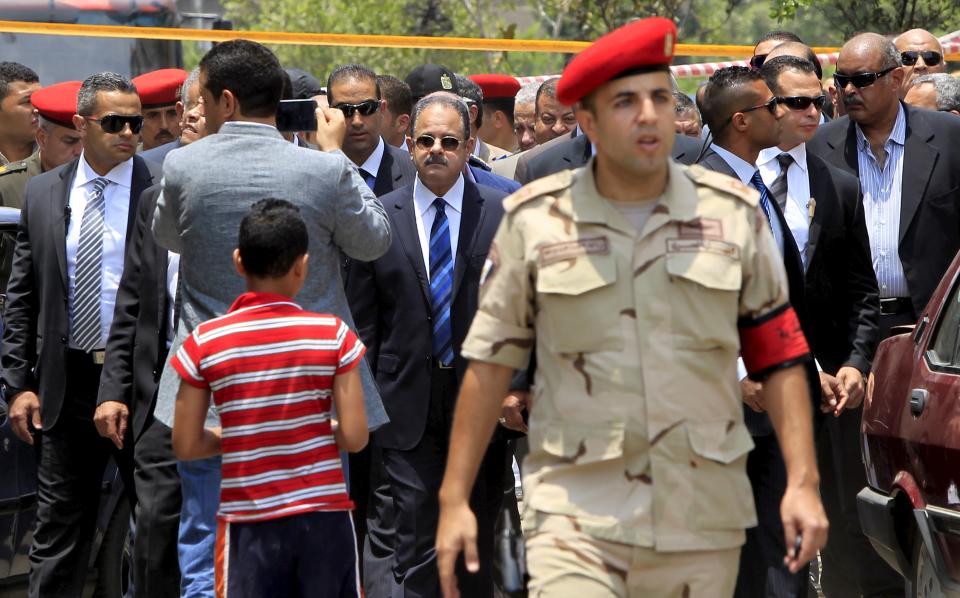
pixel 544 186
pixel 723 183
pixel 13 167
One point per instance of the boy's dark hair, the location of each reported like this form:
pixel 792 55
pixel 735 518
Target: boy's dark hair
pixel 250 71
pixel 272 237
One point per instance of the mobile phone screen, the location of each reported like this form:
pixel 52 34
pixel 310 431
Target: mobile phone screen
pixel 297 115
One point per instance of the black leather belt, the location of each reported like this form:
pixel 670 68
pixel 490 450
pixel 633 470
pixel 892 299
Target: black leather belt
pixel 895 305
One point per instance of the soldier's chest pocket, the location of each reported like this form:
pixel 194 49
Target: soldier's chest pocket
pixel 579 304
pixel 704 287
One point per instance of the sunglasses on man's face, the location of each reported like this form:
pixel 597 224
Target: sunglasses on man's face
pixel 802 102
pixel 365 108
pixel 448 142
pixel 860 79
pixel 930 58
pixel 770 105
pixel 114 123
pixel 757 61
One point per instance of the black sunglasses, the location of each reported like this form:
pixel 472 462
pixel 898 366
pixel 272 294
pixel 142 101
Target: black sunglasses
pixel 860 79
pixel 757 61
pixel 802 102
pixel 770 105
pixel 365 108
pixel 930 58
pixel 448 142
pixel 114 123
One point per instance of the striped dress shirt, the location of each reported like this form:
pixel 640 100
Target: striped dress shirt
pixel 881 204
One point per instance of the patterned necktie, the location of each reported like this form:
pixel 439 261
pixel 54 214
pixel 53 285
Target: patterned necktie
pixel 779 187
pixel 87 278
pixel 368 178
pixel 757 182
pixel 441 284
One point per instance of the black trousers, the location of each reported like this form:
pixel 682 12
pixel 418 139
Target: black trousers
pixel 415 476
pixel 69 479
pixel 762 573
pixel 156 571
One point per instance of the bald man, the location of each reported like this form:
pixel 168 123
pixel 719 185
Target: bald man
pixel 909 169
pixel 921 54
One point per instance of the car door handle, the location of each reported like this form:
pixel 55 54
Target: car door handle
pixel 918 401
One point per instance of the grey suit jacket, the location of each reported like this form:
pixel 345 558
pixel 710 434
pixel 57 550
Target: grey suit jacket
pixel 209 186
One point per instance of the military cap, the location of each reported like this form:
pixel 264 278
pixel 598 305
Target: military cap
pixel 638 47
pixel 497 87
pixel 304 85
pixel 57 103
pixel 428 78
pixel 160 88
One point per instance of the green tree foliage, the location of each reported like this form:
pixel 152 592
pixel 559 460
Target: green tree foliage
pixel 881 16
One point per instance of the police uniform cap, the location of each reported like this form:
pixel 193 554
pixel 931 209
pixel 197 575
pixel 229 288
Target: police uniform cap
pixel 638 47
pixel 497 87
pixel 304 85
pixel 160 88
pixel 428 78
pixel 57 103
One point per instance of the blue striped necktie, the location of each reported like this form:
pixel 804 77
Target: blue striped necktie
pixel 441 284
pixel 87 277
pixel 757 181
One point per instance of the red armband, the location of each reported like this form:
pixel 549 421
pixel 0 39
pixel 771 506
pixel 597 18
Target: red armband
pixel 772 342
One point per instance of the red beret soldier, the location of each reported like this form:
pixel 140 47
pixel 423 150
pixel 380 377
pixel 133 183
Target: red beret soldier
pixel 499 92
pixel 159 92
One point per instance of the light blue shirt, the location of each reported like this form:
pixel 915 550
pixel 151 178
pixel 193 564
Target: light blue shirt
pixel 881 189
pixel 745 172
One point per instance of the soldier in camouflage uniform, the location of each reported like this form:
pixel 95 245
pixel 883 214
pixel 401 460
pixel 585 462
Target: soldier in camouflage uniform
pixel 637 307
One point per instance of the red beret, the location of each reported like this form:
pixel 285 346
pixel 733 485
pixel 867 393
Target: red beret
pixel 160 88
pixel 497 87
pixel 641 45
pixel 57 103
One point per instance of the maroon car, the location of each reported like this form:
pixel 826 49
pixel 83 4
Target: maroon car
pixel 910 509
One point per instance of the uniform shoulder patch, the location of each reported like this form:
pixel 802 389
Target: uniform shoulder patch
pixel 13 167
pixel 545 186
pixel 723 183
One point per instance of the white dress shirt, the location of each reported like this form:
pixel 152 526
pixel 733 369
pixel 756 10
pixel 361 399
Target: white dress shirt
pixel 425 213
pixel 372 164
pixel 173 274
pixel 797 210
pixel 116 198
pixel 745 172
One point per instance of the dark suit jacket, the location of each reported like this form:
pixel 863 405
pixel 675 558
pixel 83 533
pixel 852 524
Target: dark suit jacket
pixel 390 302
pixel 37 329
pixel 396 170
pixel 483 176
pixel 575 151
pixel 930 193
pixel 137 346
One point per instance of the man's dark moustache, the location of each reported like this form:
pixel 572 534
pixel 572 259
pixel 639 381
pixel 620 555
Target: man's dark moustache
pixel 435 160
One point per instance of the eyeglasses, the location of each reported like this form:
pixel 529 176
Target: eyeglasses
pixel 770 105
pixel 802 102
pixel 757 61
pixel 448 142
pixel 365 108
pixel 930 58
pixel 860 79
pixel 114 123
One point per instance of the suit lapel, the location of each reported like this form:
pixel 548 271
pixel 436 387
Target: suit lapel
pixel 139 181
pixel 383 183
pixel 919 158
pixel 818 179
pixel 578 152
pixel 471 219
pixel 59 200
pixel 406 231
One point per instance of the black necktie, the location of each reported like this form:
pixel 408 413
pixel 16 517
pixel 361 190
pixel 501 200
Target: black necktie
pixel 779 186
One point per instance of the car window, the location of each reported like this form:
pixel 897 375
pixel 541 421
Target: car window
pixel 943 348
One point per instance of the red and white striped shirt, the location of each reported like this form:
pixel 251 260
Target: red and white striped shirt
pixel 270 367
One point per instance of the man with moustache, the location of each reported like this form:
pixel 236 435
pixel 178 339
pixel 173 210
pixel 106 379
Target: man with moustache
pixel 909 170
pixel 921 54
pixel 623 427
pixel 412 308
pixel 939 92
pixel 143 329
pixel 58 141
pixel 160 92
pixel 67 265
pixel 188 99
pixel 524 115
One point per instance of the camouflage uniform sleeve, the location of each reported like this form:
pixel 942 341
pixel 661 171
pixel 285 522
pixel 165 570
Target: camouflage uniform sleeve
pixel 770 334
pixel 502 331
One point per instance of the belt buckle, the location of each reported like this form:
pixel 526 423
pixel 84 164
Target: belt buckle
pixel 441 365
pixel 98 356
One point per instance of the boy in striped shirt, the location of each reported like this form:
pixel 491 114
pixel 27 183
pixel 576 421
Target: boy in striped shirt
pixel 273 370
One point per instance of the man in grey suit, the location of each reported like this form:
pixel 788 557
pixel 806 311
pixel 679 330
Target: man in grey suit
pixel 210 185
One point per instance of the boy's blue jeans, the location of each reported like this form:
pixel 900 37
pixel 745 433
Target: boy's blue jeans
pixel 200 488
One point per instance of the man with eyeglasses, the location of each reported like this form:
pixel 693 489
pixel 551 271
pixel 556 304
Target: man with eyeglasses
pixel 67 265
pixel 939 92
pixel 921 54
pixel 909 170
pixel 833 290
pixel 412 309
pixel 768 42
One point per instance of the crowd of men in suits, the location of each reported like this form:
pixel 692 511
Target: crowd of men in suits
pixel 159 171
